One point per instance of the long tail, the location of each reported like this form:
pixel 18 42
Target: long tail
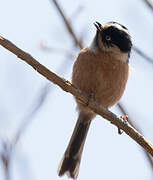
pixel 70 162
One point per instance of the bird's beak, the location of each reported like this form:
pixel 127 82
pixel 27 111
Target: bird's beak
pixel 98 26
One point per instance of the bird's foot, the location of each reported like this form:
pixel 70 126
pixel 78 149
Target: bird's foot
pixel 90 97
pixel 125 118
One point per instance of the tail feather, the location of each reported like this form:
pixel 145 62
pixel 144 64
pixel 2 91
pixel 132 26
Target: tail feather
pixel 70 166
pixel 70 162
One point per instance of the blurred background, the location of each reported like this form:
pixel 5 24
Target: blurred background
pixel 37 118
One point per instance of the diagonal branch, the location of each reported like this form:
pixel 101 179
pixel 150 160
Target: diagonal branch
pixel 68 87
pixel 32 112
pixel 149 4
pixel 142 54
pixel 122 109
pixel 67 23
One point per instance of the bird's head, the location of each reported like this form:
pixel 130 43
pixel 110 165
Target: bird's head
pixel 113 37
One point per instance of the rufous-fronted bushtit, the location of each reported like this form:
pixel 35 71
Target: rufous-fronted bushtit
pixel 101 71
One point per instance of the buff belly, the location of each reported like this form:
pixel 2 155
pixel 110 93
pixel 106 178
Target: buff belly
pixel 104 78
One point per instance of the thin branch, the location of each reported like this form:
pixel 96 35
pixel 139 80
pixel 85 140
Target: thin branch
pixel 149 4
pixel 142 54
pixel 122 109
pixel 68 87
pixel 7 146
pixel 67 23
pixel 29 117
pixel 5 157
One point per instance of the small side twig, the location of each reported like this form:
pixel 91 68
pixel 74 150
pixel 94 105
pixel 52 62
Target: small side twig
pixel 5 156
pixel 149 4
pixel 8 147
pixel 68 87
pixel 122 109
pixel 30 116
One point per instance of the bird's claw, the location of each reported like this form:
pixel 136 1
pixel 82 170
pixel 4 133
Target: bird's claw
pixel 125 120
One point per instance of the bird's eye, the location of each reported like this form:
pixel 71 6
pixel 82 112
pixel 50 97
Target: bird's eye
pixel 108 38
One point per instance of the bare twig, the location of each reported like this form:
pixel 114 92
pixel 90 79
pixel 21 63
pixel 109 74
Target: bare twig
pixel 67 23
pixel 68 87
pixel 8 146
pixel 28 119
pixel 142 54
pixel 149 4
pixel 5 156
pixel 122 109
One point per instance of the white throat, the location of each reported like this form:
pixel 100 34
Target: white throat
pixel 123 57
pixel 92 47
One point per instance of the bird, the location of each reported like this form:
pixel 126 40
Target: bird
pixel 100 71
